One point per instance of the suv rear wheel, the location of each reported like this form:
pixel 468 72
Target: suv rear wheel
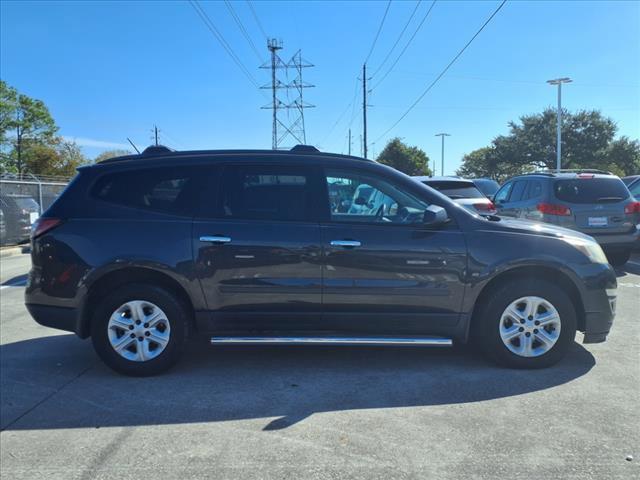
pixel 528 323
pixel 139 329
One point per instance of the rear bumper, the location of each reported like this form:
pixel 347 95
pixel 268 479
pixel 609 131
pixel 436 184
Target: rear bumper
pixel 619 240
pixel 61 318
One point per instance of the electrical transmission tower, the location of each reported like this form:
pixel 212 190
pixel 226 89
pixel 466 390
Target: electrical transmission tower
pixel 287 115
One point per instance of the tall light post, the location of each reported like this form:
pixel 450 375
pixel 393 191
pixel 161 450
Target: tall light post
pixel 559 82
pixel 442 135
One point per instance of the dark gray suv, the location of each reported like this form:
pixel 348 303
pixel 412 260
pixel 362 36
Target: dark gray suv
pixel 263 247
pixel 591 201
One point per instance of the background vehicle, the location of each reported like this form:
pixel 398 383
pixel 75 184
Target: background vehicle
pixel 3 228
pixel 633 184
pixel 593 202
pixel 20 211
pixel 461 191
pixel 487 186
pixel 249 247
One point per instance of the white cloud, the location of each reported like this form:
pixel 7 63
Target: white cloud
pixel 90 142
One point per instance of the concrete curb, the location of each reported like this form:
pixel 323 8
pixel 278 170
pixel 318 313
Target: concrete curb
pixel 16 250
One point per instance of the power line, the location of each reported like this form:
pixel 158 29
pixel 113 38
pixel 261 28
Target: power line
pixel 216 33
pixel 495 12
pixel 243 30
pixel 398 39
pixel 375 40
pixel 406 46
pixel 255 16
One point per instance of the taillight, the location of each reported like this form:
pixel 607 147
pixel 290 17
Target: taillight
pixel 487 207
pixel 633 207
pixel 553 209
pixel 43 225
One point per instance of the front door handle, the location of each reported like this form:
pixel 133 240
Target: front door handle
pixel 215 239
pixel 345 243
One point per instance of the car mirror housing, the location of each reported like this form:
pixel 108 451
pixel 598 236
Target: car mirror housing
pixel 435 216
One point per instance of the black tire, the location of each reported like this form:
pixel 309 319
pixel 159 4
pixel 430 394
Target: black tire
pixel 618 258
pixel 176 315
pixel 487 329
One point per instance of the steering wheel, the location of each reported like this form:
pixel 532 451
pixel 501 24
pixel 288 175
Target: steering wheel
pixel 403 214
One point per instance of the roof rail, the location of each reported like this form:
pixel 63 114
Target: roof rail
pixel 579 170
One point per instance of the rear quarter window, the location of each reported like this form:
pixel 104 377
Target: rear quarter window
pixel 166 190
pixel 590 190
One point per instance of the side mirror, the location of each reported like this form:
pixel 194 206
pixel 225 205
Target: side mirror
pixel 435 216
pixel 361 201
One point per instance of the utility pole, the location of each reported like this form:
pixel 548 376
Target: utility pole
pixel 442 135
pixel 559 82
pixel 349 141
pixel 364 107
pixel 155 130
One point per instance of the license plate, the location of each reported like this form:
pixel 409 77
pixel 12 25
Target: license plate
pixel 598 221
pixel 33 216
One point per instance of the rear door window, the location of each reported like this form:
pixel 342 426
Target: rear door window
pixel 590 190
pixel 267 192
pixel 503 193
pixel 167 190
pixel 453 189
pixel 535 189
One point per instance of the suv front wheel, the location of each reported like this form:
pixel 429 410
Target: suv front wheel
pixel 139 329
pixel 527 323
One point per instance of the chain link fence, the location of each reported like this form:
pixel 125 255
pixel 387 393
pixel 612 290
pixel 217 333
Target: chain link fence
pixel 23 198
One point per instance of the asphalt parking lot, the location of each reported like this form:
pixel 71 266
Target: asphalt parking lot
pixel 316 412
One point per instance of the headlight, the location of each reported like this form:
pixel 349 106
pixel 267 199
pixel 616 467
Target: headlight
pixel 591 249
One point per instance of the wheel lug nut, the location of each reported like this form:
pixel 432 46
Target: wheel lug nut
pixel 140 339
pixel 528 334
pixel 133 335
pixel 535 330
pixel 521 329
pixel 537 322
pixel 138 322
pixel 146 325
pixel 522 320
pixel 530 317
pixel 146 334
pixel 130 327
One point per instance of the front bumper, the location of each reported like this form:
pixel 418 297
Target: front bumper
pixel 599 297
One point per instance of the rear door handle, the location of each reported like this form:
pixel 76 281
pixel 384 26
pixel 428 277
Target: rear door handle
pixel 345 243
pixel 215 239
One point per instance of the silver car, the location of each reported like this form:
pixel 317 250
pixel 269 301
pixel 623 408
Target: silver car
pixel 591 201
pixel 461 191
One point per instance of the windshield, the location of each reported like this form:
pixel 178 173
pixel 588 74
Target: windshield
pixel 590 190
pixel 453 189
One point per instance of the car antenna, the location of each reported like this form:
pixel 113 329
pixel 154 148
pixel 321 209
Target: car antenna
pixel 134 147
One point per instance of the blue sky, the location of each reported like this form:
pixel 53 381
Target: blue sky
pixel 111 70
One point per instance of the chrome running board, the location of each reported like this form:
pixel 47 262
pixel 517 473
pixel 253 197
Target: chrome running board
pixel 417 341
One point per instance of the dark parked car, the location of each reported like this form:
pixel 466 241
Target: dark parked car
pixel 247 247
pixel 487 186
pixel 20 212
pixel 592 202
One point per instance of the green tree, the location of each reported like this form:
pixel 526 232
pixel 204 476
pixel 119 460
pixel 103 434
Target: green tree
pixel 60 158
pixel 24 122
pixel 110 154
pixel 410 160
pixel 587 142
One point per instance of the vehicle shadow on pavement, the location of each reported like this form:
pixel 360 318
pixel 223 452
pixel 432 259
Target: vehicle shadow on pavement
pixel 626 269
pixel 58 382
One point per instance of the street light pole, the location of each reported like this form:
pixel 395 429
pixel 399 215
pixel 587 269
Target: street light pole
pixel 442 135
pixel 559 82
